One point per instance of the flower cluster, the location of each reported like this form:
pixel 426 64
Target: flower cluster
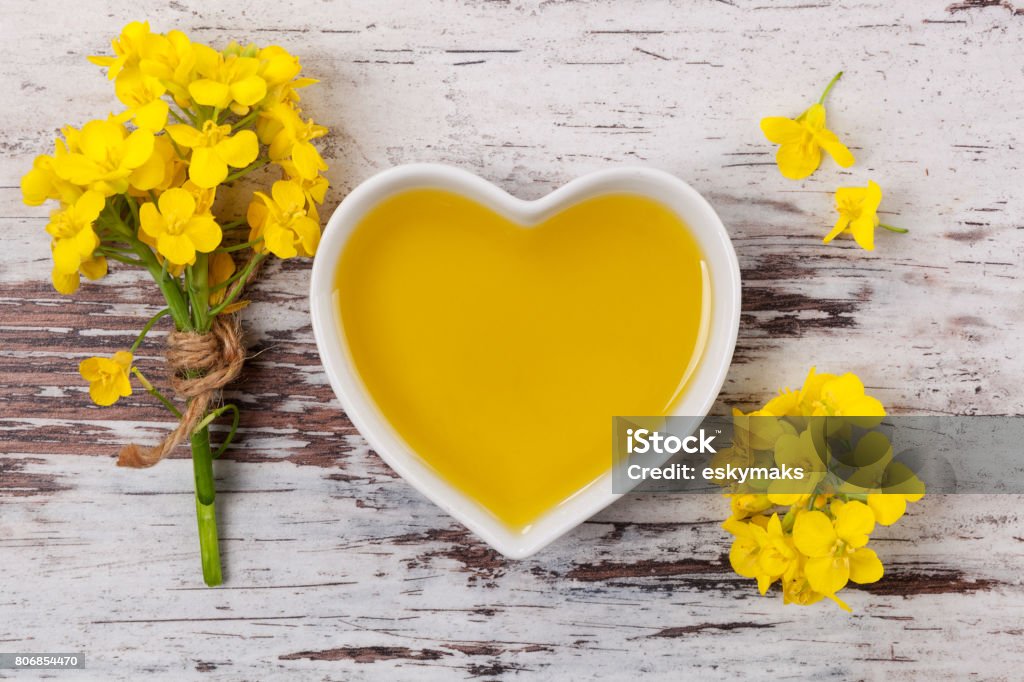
pixel 801 142
pixel 812 539
pixel 142 187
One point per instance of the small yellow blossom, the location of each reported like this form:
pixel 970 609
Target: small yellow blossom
pixel 74 239
pixel 128 49
pixel 835 546
pixel 109 157
pixel 315 189
pixel 142 95
pixel 281 220
pixel 802 139
pixel 858 213
pixel 290 138
pixel 67 283
pixel 178 229
pixel 214 148
pixel 227 80
pixel 172 60
pixel 107 377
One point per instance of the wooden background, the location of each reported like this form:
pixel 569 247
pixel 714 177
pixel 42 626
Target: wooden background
pixel 335 568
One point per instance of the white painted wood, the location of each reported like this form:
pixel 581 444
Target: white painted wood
pixel 337 570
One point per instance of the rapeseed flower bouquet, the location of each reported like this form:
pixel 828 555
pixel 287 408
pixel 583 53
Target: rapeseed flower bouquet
pixel 143 188
pixel 811 537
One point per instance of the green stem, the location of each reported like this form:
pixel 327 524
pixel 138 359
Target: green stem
pixel 149 325
pixel 828 88
pixel 206 512
pixel 239 247
pixel 152 390
pixel 245 121
pixel 258 163
pixel 199 291
pixel 893 228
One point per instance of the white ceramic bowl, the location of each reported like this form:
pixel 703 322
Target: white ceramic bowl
pixel 696 400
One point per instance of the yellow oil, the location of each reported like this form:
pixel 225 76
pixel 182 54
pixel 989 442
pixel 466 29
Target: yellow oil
pixel 500 352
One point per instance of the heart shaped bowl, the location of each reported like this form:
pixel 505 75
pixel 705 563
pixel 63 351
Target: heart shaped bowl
pixel 695 401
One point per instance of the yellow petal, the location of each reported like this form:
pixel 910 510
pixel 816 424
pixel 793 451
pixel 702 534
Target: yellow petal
pixel 798 160
pixel 836 149
pixel 210 92
pixel 813 534
pixel 152 116
pixel 841 224
pixel 177 204
pixel 94 268
pixel 827 574
pixel 782 130
pixel 66 257
pixel 65 282
pixel 308 231
pixel 204 232
pixel 185 135
pixel 90 369
pixel 813 118
pixel 137 148
pixel 98 137
pixel 249 91
pixel 279 241
pixel 307 160
pixel 206 168
pixel 863 231
pixel 88 206
pixel 152 223
pixel 887 508
pixel 177 249
pixel 36 187
pixel 150 174
pixel 865 566
pixel 239 150
pixel 103 393
pixel 854 523
pixel 288 195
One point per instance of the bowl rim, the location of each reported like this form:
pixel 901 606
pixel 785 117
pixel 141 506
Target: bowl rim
pixel 698 397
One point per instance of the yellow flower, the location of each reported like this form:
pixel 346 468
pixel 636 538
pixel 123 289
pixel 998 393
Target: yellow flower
pixel 858 213
pixel 162 170
pixel 178 229
pixel 798 452
pixel 835 547
pixel 844 396
pixel 748 504
pixel 214 148
pixel 802 139
pixel 107 377
pixel 141 94
pixel 67 283
pixel 172 60
pixel 128 48
pixel 315 189
pixel 108 159
pixel 289 138
pixel 888 508
pixel 42 182
pixel 74 239
pixel 282 222
pixel 280 70
pixel 227 80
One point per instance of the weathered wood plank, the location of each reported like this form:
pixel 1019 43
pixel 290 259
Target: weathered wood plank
pixel 336 569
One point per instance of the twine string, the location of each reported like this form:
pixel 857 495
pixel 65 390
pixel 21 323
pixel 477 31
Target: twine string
pixel 200 365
